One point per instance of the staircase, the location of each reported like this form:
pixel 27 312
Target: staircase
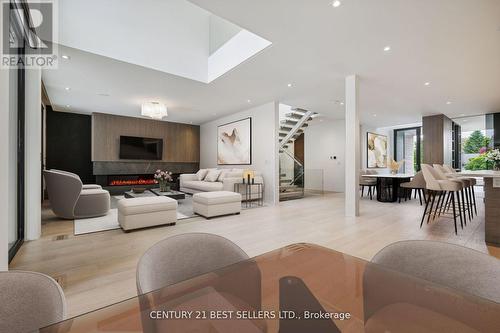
pixel 291 169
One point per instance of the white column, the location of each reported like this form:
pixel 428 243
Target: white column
pixel 276 161
pixel 4 168
pixel 352 148
pixel 33 151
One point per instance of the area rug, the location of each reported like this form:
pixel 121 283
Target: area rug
pixel 110 221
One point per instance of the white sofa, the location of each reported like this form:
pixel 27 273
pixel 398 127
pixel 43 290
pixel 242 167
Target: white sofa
pixel 189 183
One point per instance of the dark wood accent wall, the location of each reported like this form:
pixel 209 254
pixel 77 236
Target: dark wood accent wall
pixel 181 142
pixel 298 148
pixel 68 138
pixel 438 139
pixel 492 212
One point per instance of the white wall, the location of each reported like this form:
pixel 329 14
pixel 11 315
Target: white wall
pixel 33 153
pixel 323 141
pixel 264 145
pixel 389 132
pixel 4 167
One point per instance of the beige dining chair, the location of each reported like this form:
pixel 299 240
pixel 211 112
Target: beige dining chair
pixel 417 184
pixel 369 182
pixel 448 193
pixel 29 301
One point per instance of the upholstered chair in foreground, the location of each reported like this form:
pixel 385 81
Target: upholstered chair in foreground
pixel 70 200
pixel 182 257
pixel 29 301
pixel 429 286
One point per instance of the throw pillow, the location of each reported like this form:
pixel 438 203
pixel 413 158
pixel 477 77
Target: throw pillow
pixel 223 174
pixel 202 174
pixel 213 175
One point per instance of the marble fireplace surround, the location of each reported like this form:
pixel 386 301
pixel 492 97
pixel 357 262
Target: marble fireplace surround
pixel 142 168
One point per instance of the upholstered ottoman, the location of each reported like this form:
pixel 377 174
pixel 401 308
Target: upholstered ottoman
pixel 145 212
pixel 218 203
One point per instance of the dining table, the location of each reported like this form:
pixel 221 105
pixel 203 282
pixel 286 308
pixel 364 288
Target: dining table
pixel 388 185
pixel 297 288
pixel 491 202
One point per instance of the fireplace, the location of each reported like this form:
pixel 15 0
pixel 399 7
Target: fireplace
pixel 130 180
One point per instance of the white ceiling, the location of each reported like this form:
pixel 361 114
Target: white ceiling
pixel 453 44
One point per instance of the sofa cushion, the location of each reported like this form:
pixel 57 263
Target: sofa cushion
pixel 216 198
pixel 146 205
pixel 212 175
pixel 223 174
pixel 203 186
pixel 201 174
pixel 93 191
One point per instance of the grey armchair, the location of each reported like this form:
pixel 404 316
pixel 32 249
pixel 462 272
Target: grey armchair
pixel 29 301
pixel 70 199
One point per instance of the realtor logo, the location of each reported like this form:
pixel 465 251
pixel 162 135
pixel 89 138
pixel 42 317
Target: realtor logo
pixel 28 34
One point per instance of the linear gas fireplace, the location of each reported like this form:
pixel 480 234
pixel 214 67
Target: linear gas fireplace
pixel 129 180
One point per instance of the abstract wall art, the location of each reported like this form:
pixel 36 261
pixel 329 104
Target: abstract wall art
pixel 234 143
pixel 377 150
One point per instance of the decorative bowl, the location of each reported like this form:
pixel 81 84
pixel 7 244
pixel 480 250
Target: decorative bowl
pixel 138 190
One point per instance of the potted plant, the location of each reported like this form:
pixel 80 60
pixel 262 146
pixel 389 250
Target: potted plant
pixel 494 157
pixel 163 178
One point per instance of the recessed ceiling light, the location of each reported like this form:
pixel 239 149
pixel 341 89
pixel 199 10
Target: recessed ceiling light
pixel 448 103
pixel 67 88
pixel 289 85
pixel 65 56
pixel 374 114
pixel 427 84
pixel 249 101
pixel 68 106
pixel 387 48
pixel 342 103
pixel 336 3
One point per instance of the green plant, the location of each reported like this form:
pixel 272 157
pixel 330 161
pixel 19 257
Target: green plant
pixel 480 162
pixel 476 141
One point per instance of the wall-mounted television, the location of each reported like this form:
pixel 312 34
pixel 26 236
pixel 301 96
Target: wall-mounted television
pixel 136 148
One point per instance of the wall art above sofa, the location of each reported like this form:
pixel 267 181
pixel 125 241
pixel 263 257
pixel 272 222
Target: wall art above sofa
pixel 234 143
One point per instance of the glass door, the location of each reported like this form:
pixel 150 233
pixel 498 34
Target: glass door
pixel 408 148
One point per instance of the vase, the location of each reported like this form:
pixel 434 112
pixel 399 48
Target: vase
pixel 164 187
pixel 496 166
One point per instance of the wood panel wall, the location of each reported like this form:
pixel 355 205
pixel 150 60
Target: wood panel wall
pixel 181 142
pixel 437 132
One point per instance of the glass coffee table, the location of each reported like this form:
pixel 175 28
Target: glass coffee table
pixel 176 195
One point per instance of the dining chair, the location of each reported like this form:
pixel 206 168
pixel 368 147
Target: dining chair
pixel 29 301
pixel 417 184
pixel 448 194
pixel 411 274
pixel 371 183
pixel 185 256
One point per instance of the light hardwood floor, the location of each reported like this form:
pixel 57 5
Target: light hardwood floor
pixel 98 269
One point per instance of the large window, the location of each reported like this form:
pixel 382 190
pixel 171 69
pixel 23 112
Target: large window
pixel 408 148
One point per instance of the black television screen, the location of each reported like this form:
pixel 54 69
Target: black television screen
pixel 135 148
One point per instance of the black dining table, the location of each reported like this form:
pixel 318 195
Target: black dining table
pixel 388 185
pixel 298 288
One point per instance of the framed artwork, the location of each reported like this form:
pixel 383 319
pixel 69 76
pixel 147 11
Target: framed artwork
pixel 234 143
pixel 376 150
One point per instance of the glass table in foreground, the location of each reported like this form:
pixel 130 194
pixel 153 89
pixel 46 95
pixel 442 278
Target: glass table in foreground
pixel 298 288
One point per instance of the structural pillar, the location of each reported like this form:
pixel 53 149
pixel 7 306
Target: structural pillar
pixel 352 147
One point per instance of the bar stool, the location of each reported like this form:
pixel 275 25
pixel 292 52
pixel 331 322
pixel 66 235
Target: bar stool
pixel 465 193
pixel 452 172
pixel 441 186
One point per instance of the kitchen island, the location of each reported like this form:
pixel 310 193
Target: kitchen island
pixel 491 202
